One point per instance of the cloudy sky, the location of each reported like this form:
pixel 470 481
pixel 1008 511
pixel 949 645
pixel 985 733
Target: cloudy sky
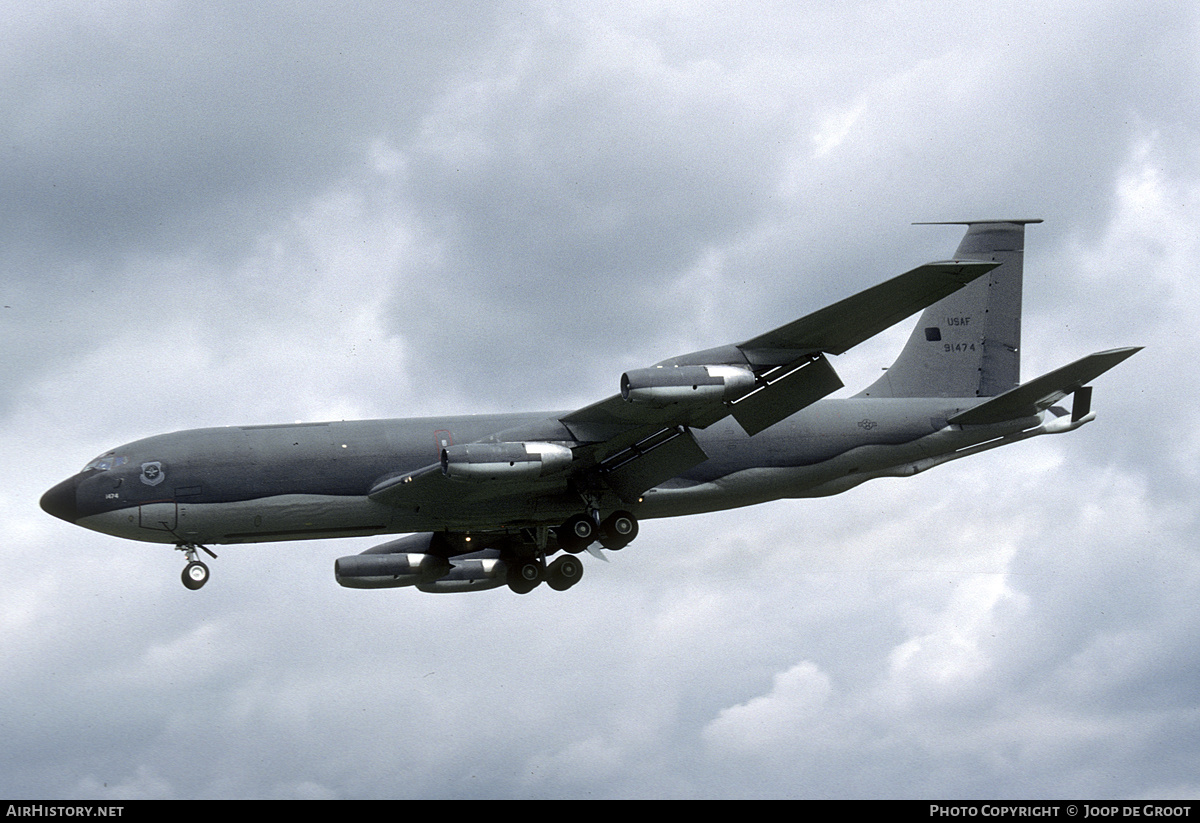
pixel 218 214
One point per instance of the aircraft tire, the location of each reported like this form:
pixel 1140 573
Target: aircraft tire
pixel 195 575
pixel 564 573
pixel 576 534
pixel 618 530
pixel 524 577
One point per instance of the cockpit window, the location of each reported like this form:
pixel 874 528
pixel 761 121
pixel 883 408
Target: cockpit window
pixel 105 462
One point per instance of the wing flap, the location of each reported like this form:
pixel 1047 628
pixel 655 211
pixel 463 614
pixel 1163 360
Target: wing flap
pixel 784 396
pixel 644 466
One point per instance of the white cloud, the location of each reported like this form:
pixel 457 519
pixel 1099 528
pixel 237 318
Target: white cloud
pixel 786 714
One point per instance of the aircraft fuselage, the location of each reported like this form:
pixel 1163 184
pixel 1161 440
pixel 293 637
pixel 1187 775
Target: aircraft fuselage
pixel 253 484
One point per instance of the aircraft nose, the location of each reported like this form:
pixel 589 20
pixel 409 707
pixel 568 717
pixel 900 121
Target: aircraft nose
pixel 60 500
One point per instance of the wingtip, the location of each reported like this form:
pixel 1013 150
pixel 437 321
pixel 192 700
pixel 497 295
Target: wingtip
pixel 963 270
pixel 1122 352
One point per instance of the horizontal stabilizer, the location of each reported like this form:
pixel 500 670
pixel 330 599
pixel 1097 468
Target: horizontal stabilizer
pixel 1043 392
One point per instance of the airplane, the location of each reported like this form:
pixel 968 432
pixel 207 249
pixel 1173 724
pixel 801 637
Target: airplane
pixel 485 501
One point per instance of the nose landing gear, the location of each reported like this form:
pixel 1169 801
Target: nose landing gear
pixel 195 573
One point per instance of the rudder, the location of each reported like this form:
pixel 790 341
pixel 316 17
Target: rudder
pixel 968 344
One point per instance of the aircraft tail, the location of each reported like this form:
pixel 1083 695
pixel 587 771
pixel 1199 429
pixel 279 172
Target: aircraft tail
pixel 968 344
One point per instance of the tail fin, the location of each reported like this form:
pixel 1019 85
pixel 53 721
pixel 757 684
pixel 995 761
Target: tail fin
pixel 968 344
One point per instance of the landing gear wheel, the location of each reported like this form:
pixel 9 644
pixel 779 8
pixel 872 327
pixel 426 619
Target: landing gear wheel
pixel 195 575
pixel 618 530
pixel 523 577
pixel 564 573
pixel 576 534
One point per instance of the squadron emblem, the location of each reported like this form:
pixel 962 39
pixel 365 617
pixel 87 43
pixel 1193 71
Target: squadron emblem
pixel 152 473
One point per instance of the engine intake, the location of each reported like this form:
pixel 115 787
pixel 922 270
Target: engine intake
pixel 504 461
pixel 663 385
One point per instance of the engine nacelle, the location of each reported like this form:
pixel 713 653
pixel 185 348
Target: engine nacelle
pixel 663 385
pixel 469 575
pixel 504 461
pixel 388 571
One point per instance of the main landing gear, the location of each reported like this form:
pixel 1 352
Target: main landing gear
pixel 195 573
pixel 574 536
pixel 562 574
pixel 616 532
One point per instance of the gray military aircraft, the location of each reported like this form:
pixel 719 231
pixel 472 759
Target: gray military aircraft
pixel 491 497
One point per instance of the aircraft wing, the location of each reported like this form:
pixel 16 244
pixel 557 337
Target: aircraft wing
pixel 838 328
pixel 634 440
pixel 788 363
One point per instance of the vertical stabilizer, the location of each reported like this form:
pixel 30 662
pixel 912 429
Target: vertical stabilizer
pixel 968 344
